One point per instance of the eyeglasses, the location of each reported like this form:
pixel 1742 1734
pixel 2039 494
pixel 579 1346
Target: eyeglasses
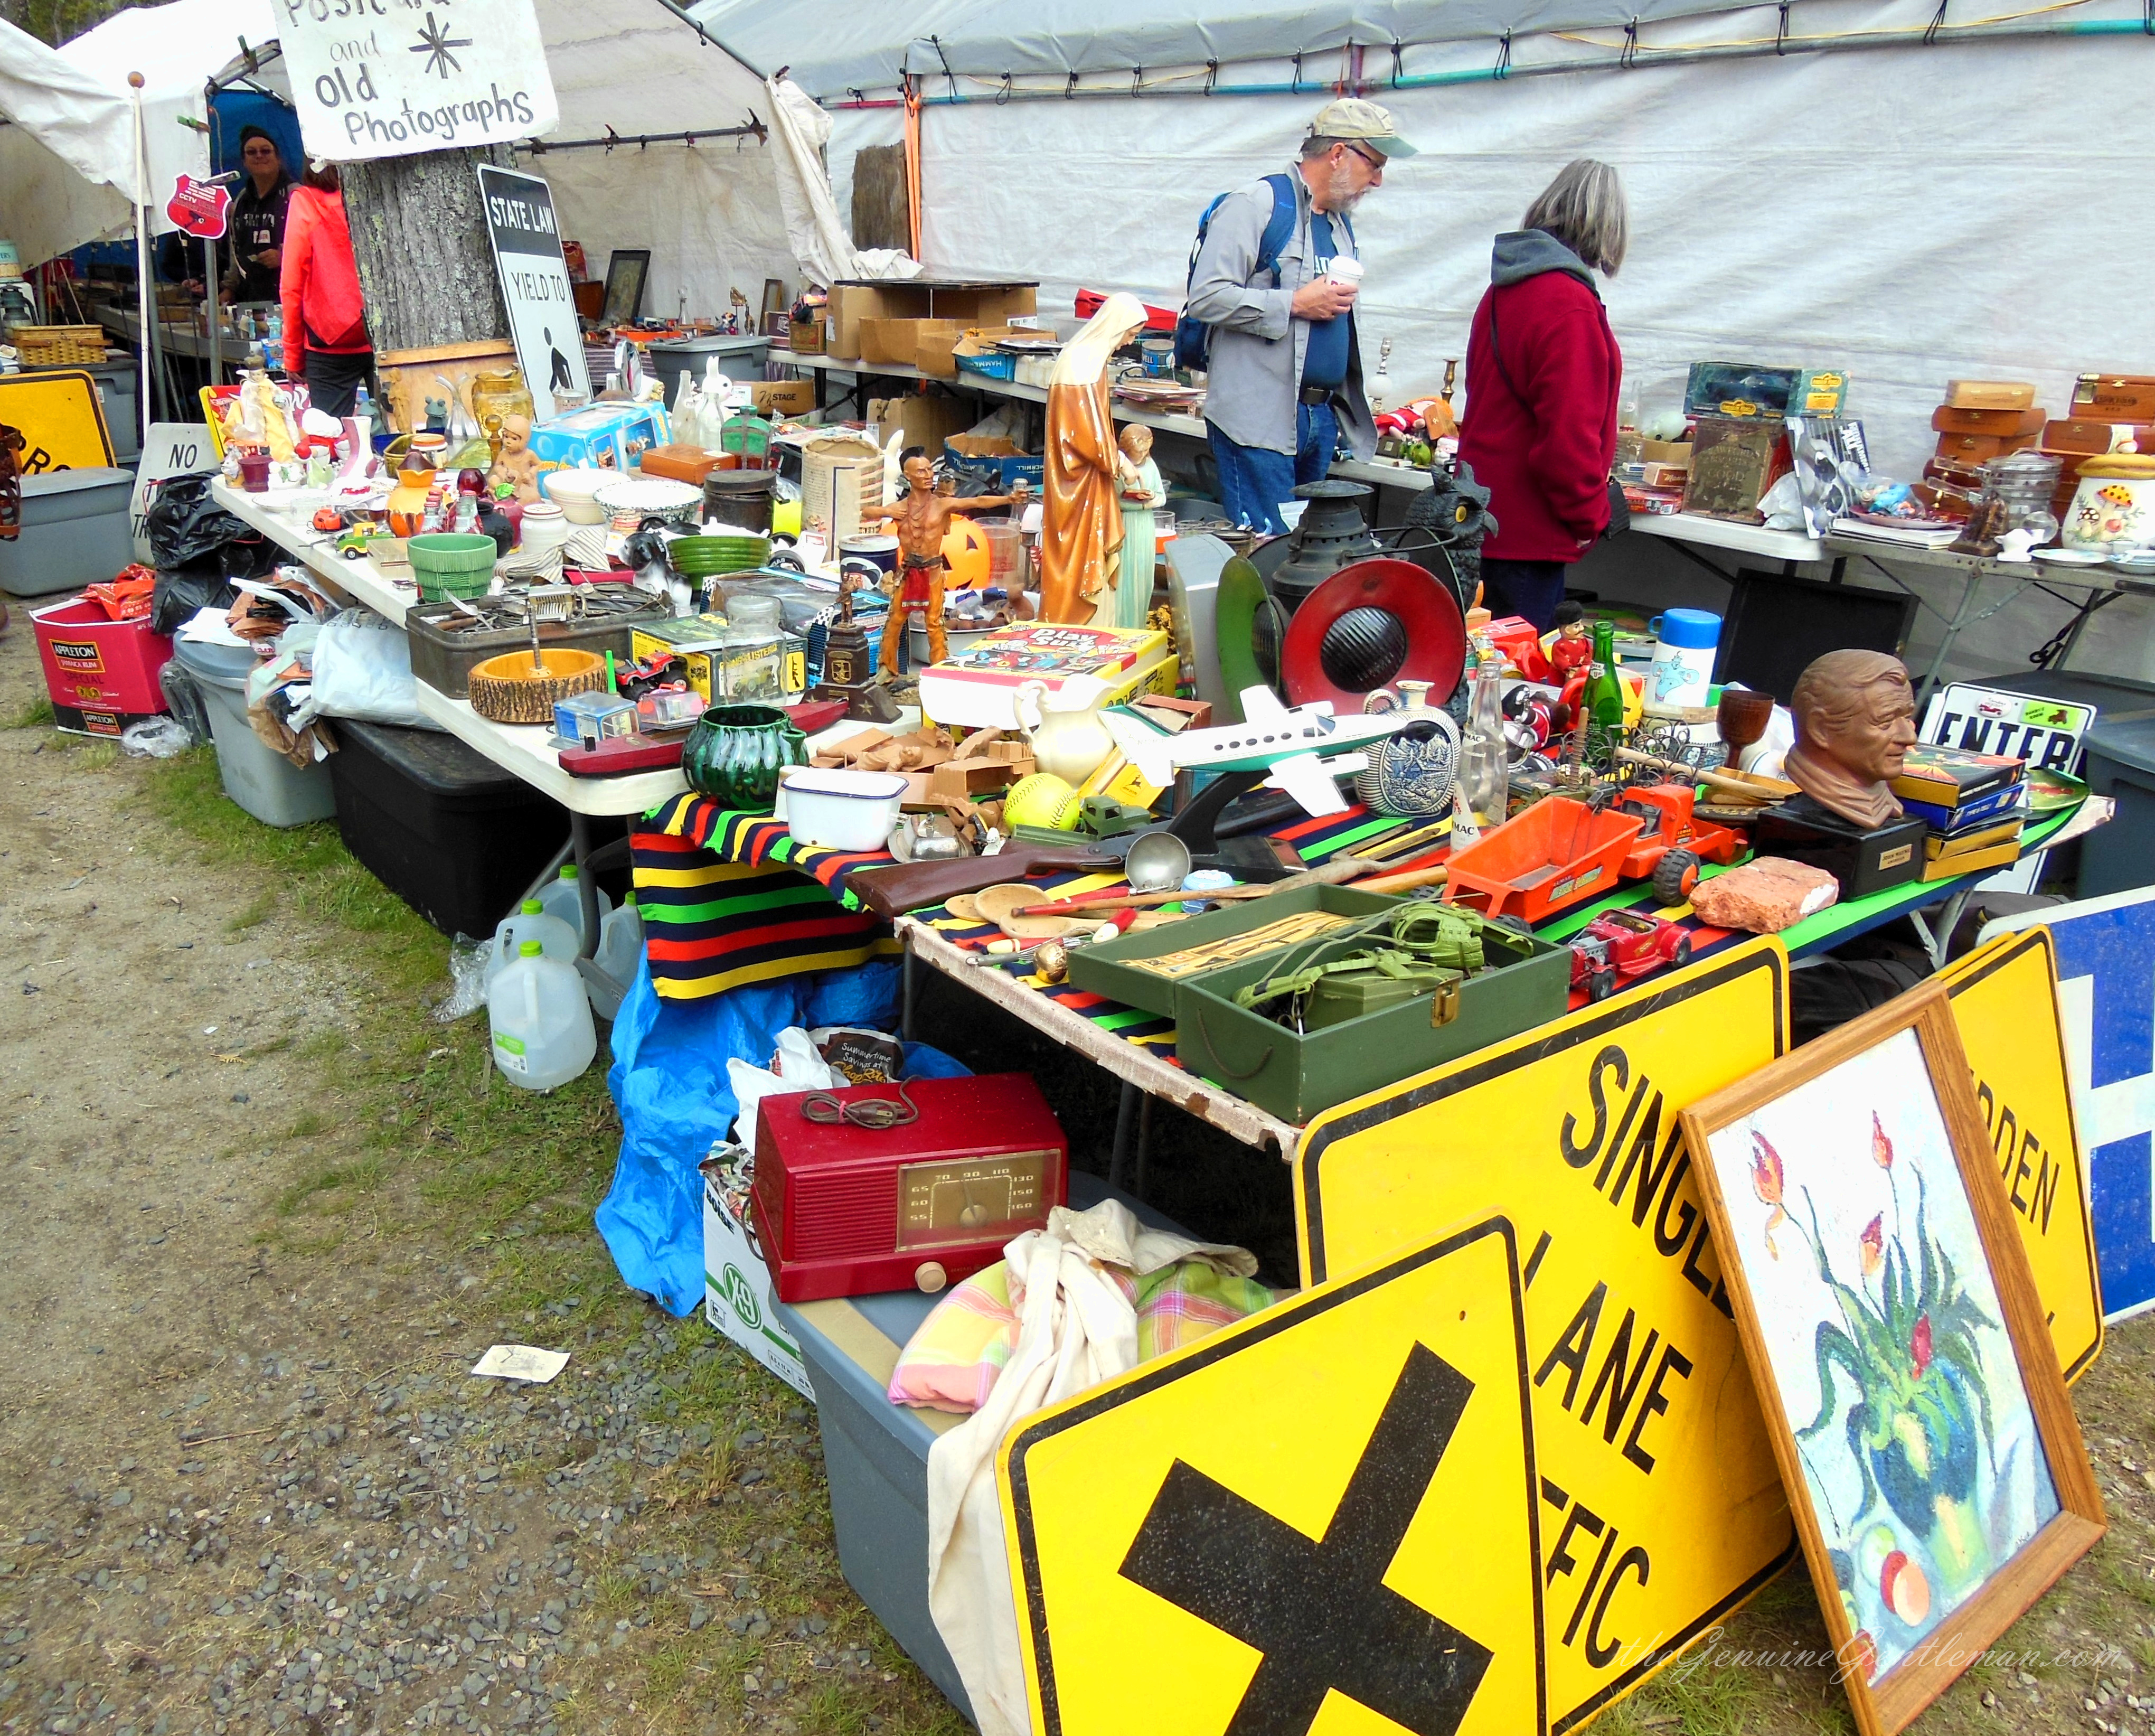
pixel 1374 160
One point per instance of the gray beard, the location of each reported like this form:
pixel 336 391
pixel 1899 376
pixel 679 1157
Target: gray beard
pixel 1337 195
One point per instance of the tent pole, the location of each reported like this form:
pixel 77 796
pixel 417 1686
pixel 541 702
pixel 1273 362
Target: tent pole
pixel 146 275
pixel 209 251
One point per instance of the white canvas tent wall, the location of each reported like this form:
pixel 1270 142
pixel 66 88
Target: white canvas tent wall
pixel 1910 212
pixel 708 211
pixel 67 154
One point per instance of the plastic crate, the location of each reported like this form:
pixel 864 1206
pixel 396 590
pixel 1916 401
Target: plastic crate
pixel 443 828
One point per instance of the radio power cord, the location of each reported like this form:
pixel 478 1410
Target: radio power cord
pixel 876 1114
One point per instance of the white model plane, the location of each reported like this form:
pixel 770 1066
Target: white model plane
pixel 1301 745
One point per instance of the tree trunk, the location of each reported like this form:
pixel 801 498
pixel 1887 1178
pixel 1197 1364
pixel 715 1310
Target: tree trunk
pixel 419 238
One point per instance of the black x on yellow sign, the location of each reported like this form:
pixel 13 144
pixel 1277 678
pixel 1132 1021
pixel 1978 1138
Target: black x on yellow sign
pixel 1320 1521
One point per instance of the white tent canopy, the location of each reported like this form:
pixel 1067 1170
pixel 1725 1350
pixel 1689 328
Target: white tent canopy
pixel 1909 213
pixel 708 211
pixel 67 155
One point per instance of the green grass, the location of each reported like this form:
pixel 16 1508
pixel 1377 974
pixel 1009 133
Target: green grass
pixel 30 714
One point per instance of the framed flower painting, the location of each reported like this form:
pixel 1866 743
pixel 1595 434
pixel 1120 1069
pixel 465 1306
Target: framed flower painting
pixel 1890 1319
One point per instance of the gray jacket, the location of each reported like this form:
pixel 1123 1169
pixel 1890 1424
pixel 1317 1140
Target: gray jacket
pixel 1257 344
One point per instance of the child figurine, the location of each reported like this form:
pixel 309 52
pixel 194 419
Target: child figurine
pixel 1141 492
pixel 1571 650
pixel 516 465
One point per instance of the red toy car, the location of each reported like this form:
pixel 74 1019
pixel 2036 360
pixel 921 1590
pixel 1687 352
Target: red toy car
pixel 1619 945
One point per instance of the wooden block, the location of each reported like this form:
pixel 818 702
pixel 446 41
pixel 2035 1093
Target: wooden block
pixel 959 779
pixel 1990 395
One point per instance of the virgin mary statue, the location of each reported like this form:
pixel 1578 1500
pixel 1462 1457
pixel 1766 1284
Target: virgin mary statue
pixel 1081 535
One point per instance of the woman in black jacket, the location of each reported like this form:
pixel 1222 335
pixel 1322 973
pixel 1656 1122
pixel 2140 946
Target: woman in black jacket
pixel 257 226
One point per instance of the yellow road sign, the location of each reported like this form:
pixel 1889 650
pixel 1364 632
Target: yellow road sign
pixel 62 420
pixel 1662 1506
pixel 1321 1520
pixel 2006 1000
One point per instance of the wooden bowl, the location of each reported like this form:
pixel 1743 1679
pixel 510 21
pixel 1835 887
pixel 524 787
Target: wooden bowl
pixel 507 690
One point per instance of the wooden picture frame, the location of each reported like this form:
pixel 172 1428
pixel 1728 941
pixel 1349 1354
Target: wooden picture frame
pixel 774 297
pixel 1904 1065
pixel 628 269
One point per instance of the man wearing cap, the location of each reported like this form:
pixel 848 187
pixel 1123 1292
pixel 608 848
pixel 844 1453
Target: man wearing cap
pixel 1285 373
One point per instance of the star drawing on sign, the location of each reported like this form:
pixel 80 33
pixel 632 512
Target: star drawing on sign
pixel 435 42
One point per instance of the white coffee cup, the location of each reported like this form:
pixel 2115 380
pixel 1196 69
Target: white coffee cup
pixel 1342 269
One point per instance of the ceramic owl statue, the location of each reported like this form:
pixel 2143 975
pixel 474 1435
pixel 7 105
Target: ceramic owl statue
pixel 1454 512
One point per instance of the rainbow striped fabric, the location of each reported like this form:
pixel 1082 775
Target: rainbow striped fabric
pixel 729 898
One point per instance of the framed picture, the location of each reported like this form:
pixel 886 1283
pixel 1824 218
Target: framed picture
pixel 1932 1459
pixel 627 268
pixel 774 297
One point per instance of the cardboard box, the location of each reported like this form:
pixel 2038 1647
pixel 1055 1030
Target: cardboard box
pixel 612 437
pixel 932 342
pixel 783 398
pixel 999 457
pixel 939 354
pixel 838 476
pixel 890 341
pixel 737 1292
pixel 969 303
pixel 1676 454
pixel 924 421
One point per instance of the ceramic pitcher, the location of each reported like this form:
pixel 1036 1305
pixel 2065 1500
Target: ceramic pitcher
pixel 1068 738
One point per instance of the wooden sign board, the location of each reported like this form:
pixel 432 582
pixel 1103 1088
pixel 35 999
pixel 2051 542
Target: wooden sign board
pixel 2004 999
pixel 1662 1506
pixel 1324 1517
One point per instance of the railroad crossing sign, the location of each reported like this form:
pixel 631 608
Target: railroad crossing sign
pixel 1322 1520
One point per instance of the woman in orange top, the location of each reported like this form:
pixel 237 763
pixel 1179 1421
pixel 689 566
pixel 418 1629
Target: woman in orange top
pixel 325 341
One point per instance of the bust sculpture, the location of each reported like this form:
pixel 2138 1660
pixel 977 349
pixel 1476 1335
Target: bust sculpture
pixel 1855 720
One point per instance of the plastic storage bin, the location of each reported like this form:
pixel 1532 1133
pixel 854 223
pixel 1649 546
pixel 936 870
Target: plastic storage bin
pixel 74 532
pixel 443 828
pixel 257 776
pixel 2120 763
pixel 875 1453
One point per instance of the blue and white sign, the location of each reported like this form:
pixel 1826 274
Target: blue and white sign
pixel 2106 949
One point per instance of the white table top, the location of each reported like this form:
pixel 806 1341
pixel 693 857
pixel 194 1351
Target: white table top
pixel 1193 426
pixel 282 515
pixel 1717 533
pixel 527 751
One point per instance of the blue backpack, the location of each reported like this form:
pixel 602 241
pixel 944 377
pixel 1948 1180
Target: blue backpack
pixel 1193 337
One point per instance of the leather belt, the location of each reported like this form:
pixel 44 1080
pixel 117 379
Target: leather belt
pixel 1317 394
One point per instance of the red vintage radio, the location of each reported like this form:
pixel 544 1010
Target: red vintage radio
pixel 884 1187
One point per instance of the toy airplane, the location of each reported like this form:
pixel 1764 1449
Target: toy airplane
pixel 1301 747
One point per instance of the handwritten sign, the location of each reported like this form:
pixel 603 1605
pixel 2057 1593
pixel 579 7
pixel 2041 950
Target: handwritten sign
pixel 535 283
pixel 388 78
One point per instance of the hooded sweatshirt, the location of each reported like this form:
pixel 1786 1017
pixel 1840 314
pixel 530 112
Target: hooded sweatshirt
pixel 1540 430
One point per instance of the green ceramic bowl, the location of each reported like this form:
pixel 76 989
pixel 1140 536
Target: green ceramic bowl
pixel 703 557
pixel 447 565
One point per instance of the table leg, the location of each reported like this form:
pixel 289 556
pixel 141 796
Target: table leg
pixel 1126 1115
pixel 1928 684
pixel 587 887
pixel 1937 931
pixel 1144 1145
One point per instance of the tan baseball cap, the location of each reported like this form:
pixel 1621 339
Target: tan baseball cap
pixel 1353 117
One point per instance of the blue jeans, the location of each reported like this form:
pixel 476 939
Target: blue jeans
pixel 1253 481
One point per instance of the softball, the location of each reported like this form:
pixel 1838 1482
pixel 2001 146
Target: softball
pixel 1042 800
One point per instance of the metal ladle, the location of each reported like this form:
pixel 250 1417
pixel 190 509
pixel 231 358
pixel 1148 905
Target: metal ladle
pixel 1158 861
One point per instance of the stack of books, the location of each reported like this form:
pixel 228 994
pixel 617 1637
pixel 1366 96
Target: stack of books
pixel 1973 803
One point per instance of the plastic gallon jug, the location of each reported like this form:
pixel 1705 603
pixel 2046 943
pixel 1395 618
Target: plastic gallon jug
pixel 543 1034
pixel 1685 641
pixel 556 939
pixel 561 900
pixel 621 942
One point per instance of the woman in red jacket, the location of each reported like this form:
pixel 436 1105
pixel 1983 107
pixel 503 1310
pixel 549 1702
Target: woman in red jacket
pixel 1543 374
pixel 325 341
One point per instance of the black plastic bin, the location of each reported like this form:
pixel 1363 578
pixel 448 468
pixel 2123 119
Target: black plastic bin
pixel 2121 765
pixel 451 833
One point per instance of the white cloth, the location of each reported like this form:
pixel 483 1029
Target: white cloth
pixel 800 130
pixel 1076 1329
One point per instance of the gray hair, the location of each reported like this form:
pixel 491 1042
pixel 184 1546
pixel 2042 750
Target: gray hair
pixel 1318 145
pixel 1585 209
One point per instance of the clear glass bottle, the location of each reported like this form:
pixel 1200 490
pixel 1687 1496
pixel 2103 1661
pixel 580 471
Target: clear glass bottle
pixel 1484 785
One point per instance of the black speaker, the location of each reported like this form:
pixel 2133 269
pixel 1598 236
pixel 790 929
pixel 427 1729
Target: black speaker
pixel 1778 627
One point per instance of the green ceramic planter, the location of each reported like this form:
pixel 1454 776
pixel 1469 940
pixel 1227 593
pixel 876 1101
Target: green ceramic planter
pixel 735 752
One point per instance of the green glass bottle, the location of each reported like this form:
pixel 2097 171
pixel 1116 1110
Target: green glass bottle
pixel 1604 698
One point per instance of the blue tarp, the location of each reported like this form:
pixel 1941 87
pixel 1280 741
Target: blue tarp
pixel 669 1081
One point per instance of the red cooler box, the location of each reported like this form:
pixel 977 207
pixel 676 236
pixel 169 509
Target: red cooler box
pixel 102 674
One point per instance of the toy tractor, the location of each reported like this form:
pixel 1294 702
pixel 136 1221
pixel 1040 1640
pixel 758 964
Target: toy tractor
pixel 1672 844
